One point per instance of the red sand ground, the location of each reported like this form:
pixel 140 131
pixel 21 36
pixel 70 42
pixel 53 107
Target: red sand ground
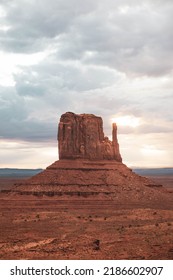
pixel 49 228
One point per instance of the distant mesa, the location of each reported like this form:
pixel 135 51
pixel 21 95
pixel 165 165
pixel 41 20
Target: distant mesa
pixel 82 137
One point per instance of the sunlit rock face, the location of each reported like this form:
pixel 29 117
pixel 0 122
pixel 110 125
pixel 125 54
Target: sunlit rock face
pixel 82 136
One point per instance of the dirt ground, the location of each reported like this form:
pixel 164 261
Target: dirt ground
pixel 78 228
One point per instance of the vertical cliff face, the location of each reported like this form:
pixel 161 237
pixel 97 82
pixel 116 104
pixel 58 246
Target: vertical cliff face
pixel 82 136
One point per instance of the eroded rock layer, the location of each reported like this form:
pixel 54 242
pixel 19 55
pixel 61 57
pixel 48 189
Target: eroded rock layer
pixel 89 179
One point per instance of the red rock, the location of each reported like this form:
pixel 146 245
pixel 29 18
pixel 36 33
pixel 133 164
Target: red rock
pixel 89 165
pixel 82 136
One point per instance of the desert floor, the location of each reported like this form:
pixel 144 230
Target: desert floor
pixel 78 228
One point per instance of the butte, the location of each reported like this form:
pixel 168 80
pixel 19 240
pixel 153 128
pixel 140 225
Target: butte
pixel 90 167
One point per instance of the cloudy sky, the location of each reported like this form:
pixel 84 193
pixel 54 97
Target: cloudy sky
pixel 112 58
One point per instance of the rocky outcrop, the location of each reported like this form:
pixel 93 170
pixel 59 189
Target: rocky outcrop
pixel 89 166
pixel 82 136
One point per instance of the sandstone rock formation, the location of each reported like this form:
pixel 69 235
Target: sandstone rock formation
pixel 89 166
pixel 81 136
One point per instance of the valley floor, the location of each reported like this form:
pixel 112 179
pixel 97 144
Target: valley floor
pixel 49 228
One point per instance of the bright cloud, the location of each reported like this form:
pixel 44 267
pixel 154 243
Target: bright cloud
pixel 126 121
pixel 11 63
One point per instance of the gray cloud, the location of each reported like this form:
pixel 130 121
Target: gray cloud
pixel 16 124
pixel 134 38
pixel 106 57
pixel 33 25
